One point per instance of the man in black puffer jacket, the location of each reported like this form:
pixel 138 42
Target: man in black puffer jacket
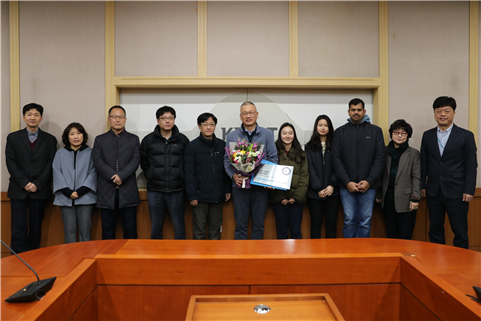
pixel 206 182
pixel 162 153
pixel 358 159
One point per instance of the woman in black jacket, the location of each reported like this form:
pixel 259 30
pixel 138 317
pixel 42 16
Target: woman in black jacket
pixel 323 194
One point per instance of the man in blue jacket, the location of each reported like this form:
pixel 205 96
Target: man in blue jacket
pixel 206 182
pixel 255 199
pixel 358 154
pixel 448 173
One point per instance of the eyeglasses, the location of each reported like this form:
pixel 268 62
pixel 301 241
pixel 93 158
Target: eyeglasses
pixel 250 113
pixel 402 134
pixel 208 125
pixel 167 118
pixel 117 117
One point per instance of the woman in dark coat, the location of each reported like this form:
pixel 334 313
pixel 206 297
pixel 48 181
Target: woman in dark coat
pixel 323 194
pixel 289 205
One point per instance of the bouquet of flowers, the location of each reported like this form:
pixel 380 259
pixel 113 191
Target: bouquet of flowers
pixel 246 158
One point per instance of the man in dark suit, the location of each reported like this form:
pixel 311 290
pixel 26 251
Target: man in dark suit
pixel 448 173
pixel 29 154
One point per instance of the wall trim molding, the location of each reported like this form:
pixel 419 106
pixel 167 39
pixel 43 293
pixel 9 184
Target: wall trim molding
pixel 202 38
pixel 293 39
pixel 251 82
pixel 111 93
pixel 14 21
pixel 381 95
pixel 473 67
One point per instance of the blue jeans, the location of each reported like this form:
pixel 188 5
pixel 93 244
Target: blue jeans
pixel 357 212
pixel 159 202
pixel 254 200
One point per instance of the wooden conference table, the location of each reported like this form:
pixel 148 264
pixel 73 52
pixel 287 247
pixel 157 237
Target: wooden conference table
pixel 368 279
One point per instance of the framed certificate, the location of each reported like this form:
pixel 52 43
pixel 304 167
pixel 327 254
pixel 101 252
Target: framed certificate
pixel 273 175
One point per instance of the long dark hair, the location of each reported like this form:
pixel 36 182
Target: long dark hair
pixel 296 153
pixel 315 141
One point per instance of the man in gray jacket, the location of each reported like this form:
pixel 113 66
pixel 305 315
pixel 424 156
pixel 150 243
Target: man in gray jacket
pixel 116 157
pixel 254 199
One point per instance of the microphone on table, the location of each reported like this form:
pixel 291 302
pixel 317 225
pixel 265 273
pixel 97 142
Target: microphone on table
pixel 35 290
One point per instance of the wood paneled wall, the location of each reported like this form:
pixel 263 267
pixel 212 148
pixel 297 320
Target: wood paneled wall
pixel 52 231
pixel 354 301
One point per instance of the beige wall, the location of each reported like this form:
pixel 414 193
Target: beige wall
pixel 338 39
pixel 5 114
pixel 62 52
pixel 248 38
pixel 62 63
pixel 428 58
pixel 156 38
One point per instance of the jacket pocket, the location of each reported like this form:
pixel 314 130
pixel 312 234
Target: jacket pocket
pixel 458 174
pixel 407 191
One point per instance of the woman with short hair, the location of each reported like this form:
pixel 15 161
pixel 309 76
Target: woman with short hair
pixel 401 183
pixel 75 183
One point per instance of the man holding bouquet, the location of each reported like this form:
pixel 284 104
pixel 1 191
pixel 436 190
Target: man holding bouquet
pixel 249 198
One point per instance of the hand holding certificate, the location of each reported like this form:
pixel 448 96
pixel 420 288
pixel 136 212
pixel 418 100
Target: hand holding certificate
pixel 273 175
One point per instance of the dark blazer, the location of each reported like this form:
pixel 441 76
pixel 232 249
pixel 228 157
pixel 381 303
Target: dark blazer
pixel 107 148
pixel 454 172
pixel 321 173
pixel 26 166
pixel 408 179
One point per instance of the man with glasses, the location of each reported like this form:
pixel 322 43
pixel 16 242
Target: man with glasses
pixel 358 155
pixel 206 182
pixel 448 173
pixel 255 199
pixel 162 153
pixel 116 157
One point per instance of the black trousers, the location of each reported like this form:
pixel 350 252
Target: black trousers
pixel 318 209
pixel 110 217
pixel 398 225
pixel 27 216
pixel 288 217
pixel 458 219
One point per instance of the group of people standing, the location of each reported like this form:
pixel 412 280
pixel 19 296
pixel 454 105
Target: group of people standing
pixel 349 165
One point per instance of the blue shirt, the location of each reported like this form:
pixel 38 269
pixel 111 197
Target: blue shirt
pixel 443 138
pixel 32 136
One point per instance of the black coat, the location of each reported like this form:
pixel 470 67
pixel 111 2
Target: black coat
pixel 162 161
pixel 107 148
pixel 26 166
pixel 205 178
pixel 321 173
pixel 358 153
